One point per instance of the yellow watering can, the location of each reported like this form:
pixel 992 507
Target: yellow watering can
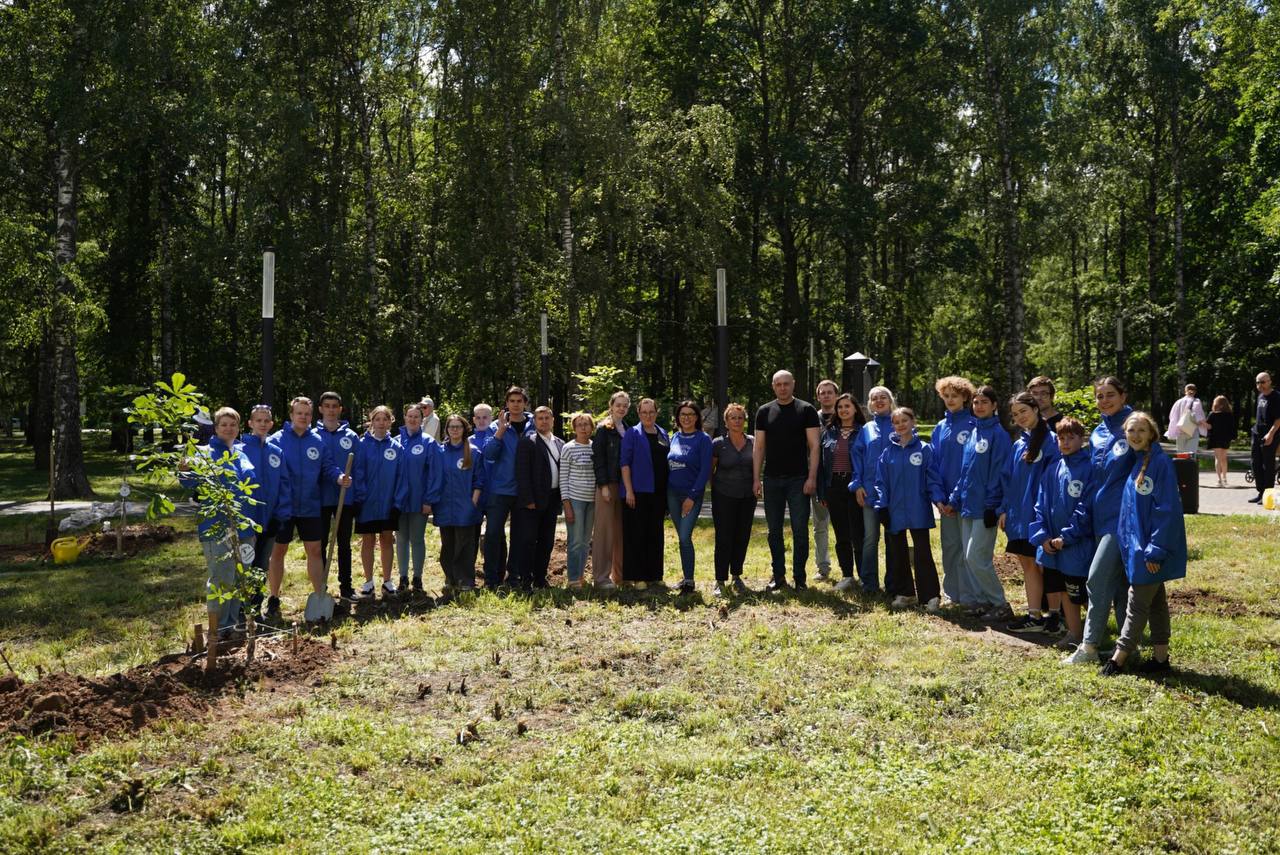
pixel 65 550
pixel 1269 498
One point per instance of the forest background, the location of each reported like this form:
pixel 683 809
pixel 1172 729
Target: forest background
pixel 996 188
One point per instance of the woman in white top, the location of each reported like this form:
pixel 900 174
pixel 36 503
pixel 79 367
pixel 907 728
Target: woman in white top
pixel 1187 422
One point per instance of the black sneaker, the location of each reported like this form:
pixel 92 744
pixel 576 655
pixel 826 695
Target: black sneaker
pixel 273 608
pixel 417 586
pixel 686 587
pixel 1256 500
pixel 405 590
pixel 1111 669
pixel 1155 666
pixel 740 586
pixel 1053 624
pixel 1027 624
pixel 802 585
pixel 776 587
pixel 347 594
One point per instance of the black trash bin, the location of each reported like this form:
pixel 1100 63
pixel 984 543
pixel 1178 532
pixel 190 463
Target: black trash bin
pixel 1188 472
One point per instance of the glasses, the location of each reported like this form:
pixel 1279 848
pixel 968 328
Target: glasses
pixel 261 408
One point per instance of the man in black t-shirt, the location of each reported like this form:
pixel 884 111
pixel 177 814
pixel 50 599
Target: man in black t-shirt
pixel 787 449
pixel 1266 436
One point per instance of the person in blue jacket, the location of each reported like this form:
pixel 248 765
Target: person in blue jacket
pixel 215 531
pixel 500 475
pixel 907 489
pixel 411 527
pixel 311 467
pixel 274 500
pixel 872 440
pixel 688 469
pixel 1063 541
pixel 976 497
pixel 1112 462
pixel 949 438
pixel 482 430
pixel 1035 452
pixel 379 470
pixel 1153 545
pixel 341 440
pixel 644 491
pixel 454 494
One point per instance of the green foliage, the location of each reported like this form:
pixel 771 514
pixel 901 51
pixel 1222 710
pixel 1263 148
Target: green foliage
pixel 1080 405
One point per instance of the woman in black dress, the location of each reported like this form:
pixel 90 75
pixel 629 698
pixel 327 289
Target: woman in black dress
pixel 1222 429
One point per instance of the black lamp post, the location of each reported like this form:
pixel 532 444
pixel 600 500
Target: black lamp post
pixel 722 348
pixel 855 374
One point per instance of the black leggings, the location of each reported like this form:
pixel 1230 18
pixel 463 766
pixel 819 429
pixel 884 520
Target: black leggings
pixel 846 519
pixel 733 519
pixel 926 582
pixel 345 525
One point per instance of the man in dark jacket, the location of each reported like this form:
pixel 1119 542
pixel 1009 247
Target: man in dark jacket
pixel 533 526
pixel 1265 436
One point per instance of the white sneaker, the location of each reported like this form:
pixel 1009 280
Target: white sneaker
pixel 824 572
pixel 933 606
pixel 1085 654
pixel 606 585
pixel 846 584
pixel 367 589
pixel 389 588
pixel 902 602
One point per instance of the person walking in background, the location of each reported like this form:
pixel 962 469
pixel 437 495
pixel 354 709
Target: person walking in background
pixel 1222 431
pixel 837 471
pixel 1187 422
pixel 606 457
pixel 825 397
pixel 1042 391
pixel 644 489
pixel 787 451
pixel 578 495
pixel 1265 436
pixel 733 501
pixel 688 469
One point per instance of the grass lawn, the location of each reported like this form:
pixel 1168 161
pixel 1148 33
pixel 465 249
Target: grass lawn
pixel 810 724
pixel 20 481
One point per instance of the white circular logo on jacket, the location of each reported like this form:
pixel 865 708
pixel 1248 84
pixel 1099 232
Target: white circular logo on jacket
pixel 274 460
pixel 981 446
pixel 345 442
pixel 962 437
pixel 246 553
pixel 1145 486
pixel 313 453
pixel 1075 488
pixel 916 458
pixel 417 449
pixel 390 454
pixel 460 461
pixel 1120 449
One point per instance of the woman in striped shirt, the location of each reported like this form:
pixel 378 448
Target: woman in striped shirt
pixel 578 492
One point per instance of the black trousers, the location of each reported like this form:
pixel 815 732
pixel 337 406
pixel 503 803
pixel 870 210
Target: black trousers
pixel 926 582
pixel 1264 463
pixel 345 527
pixel 732 518
pixel 533 534
pixel 642 538
pixel 458 555
pixel 846 519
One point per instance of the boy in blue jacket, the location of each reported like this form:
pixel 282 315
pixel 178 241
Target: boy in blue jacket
pixel 907 489
pixel 500 477
pixel 275 499
pixel 1153 545
pixel 1063 541
pixel 340 440
pixel 411 530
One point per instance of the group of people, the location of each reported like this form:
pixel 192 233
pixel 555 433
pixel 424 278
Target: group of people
pixel 1188 424
pixel 1094 519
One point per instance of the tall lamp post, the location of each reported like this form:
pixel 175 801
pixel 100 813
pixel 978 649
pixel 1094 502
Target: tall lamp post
pixel 855 366
pixel 268 322
pixel 722 349
pixel 546 397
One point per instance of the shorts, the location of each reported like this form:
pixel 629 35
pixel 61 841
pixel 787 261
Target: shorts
pixel 1054 581
pixel 375 526
pixel 1076 592
pixel 308 529
pixel 1018 546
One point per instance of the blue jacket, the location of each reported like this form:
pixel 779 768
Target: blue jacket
pixel 1112 461
pixel 417 460
pixel 983 469
pixel 865 453
pixel 238 468
pixel 907 483
pixel 378 470
pixel 274 498
pixel 635 453
pixel 500 458
pixel 340 443
pixel 1022 482
pixel 1151 527
pixel 689 464
pixel 311 466
pixel 1063 488
pixel 478 442
pixel 450 486
pixel 949 438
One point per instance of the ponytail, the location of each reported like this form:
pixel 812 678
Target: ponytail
pixel 1142 470
pixel 1153 429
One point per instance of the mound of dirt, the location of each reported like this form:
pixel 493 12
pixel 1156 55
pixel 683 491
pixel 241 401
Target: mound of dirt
pixel 137 538
pixel 174 687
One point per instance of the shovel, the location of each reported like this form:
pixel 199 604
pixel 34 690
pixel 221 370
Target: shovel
pixel 320 603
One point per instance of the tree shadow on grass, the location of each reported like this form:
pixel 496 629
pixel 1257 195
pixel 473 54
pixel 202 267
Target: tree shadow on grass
pixel 1230 687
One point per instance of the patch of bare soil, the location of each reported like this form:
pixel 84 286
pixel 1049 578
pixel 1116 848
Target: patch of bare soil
pixel 1203 601
pixel 1008 569
pixel 176 686
pixel 143 537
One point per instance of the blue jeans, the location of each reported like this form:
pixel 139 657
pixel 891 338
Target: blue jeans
pixel 495 541
pixel 222 575
pixel 953 560
pixel 411 538
pixel 1108 588
pixel 579 530
pixel 684 528
pixel 781 496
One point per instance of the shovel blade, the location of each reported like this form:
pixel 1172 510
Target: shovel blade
pixel 319 607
